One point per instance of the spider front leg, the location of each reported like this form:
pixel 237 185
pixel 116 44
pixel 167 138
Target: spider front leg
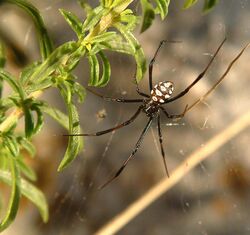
pixel 141 93
pixel 151 64
pixel 137 146
pixel 200 76
pixel 113 128
pixel 161 144
pixel 122 100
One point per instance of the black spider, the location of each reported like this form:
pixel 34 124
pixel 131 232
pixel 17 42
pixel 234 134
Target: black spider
pixel 152 105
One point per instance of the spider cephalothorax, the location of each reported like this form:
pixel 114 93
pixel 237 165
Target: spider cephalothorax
pixel 153 105
pixel 160 93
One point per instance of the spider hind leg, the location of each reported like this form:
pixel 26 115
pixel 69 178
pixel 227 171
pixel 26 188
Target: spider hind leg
pixel 137 146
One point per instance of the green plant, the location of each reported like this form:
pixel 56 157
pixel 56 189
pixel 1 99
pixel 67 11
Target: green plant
pixel 109 26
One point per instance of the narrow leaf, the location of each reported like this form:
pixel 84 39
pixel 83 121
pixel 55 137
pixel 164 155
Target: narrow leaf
pixel 27 72
pixel 13 82
pixel 14 197
pixel 45 43
pixel 130 19
pixel 39 118
pixel 162 7
pixel 103 37
pixel 31 192
pixel 39 86
pixel 74 144
pixel 106 71
pixel 27 145
pixel 28 122
pixel 2 55
pixel 56 114
pixel 11 144
pixel 148 15
pixel 1 91
pixel 93 17
pixel 209 4
pixel 73 21
pixel 189 3
pixel 26 170
pixel 117 44
pixel 137 51
pixel 94 70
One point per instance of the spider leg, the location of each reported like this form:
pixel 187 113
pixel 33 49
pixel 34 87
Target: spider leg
pixel 151 64
pixel 115 99
pixel 219 81
pixel 141 93
pixel 137 146
pixel 200 76
pixel 161 144
pixel 175 116
pixel 113 128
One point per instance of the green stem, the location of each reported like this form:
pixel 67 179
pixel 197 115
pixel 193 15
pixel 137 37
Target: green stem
pixel 45 69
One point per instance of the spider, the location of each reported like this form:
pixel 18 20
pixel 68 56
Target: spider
pixel 153 105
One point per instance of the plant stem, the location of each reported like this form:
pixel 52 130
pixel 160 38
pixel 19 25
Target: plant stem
pixel 16 114
pixel 105 22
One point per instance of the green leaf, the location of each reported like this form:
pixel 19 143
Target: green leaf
pixel 2 55
pixel 74 144
pixel 189 3
pixel 117 44
pixel 45 43
pixel 56 114
pixel 26 170
pixel 64 57
pixel 1 91
pixel 30 192
pixel 130 19
pixel 39 86
pixel 14 197
pixel 76 88
pixel 106 3
pixel 4 160
pixel 137 51
pixel 11 144
pixel 13 82
pixel 162 7
pixel 106 71
pixel 40 120
pixel 148 15
pixel 93 17
pixel 30 106
pixel 79 90
pixel 94 70
pixel 28 122
pixel 103 37
pixel 209 4
pixel 27 72
pixel 27 145
pixel 73 21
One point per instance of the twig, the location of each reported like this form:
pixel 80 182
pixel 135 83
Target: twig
pixel 16 114
pixel 164 185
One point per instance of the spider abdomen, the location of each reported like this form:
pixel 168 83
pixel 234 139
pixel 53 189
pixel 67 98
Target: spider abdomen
pixel 162 91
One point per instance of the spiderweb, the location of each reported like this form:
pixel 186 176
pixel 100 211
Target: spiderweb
pixel 214 197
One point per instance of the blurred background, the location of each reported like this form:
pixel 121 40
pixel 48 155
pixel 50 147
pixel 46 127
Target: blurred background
pixel 214 198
